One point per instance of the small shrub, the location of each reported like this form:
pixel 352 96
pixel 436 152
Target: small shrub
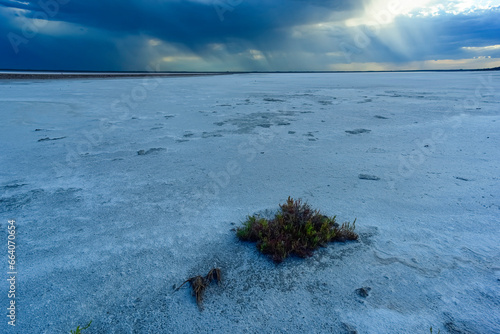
pixel 79 330
pixel 439 331
pixel 296 229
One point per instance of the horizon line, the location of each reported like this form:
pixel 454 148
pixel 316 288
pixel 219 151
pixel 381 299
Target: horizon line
pixel 53 74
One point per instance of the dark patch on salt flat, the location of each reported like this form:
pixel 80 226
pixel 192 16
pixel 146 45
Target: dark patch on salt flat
pixel 311 136
pixel 376 150
pixel 14 186
pixel 151 150
pixel 211 134
pixel 61 196
pixel 17 202
pixel 458 326
pixel 358 131
pixel 368 177
pixel 47 138
pixel 349 329
pixel 248 123
pixel 363 292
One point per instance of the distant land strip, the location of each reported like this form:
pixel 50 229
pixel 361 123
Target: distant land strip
pixel 91 75
pixel 12 74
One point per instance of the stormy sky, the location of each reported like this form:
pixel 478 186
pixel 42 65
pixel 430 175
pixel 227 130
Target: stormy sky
pixel 248 35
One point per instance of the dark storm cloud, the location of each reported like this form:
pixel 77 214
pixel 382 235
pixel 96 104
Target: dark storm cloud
pixel 189 24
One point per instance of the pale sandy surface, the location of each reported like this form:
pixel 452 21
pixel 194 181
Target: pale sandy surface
pixel 123 188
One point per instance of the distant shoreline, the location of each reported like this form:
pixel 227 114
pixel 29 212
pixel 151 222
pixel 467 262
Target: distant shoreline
pixel 70 75
pixel 10 74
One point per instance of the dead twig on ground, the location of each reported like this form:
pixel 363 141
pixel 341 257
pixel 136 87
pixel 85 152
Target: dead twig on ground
pixel 199 284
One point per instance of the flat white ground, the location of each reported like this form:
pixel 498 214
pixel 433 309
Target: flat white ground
pixel 123 188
